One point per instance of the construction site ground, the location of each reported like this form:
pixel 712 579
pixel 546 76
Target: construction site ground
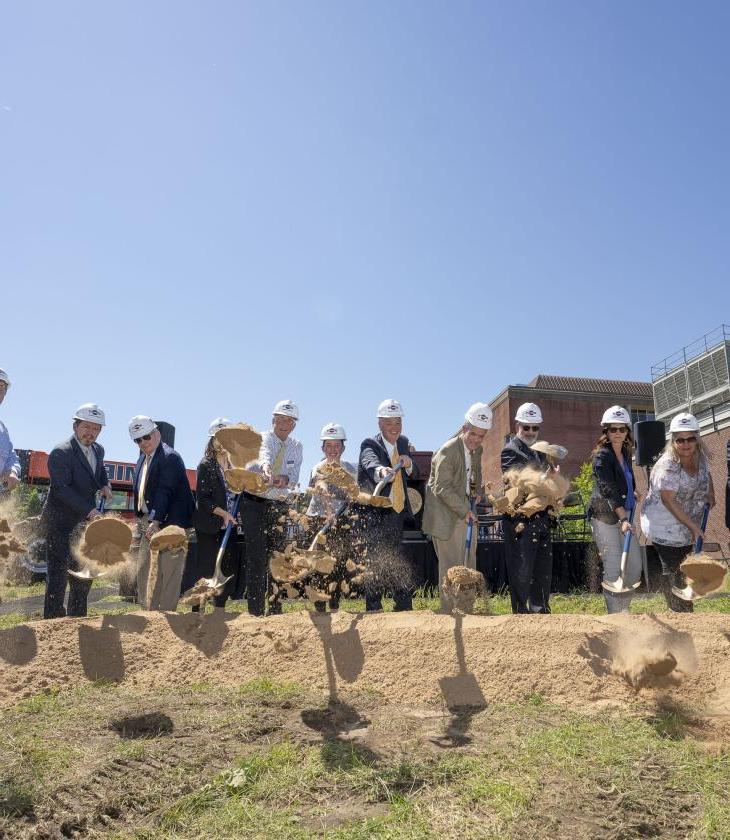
pixel 396 725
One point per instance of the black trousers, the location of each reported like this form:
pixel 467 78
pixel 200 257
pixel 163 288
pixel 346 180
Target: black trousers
pixel 389 569
pixel 529 560
pixel 670 556
pixel 208 546
pixel 59 559
pixel 262 534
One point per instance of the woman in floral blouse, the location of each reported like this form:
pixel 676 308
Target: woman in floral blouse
pixel 680 487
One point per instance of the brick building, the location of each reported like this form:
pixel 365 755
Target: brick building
pixel 572 408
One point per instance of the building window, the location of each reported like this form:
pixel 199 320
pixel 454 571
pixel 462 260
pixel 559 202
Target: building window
pixel 638 414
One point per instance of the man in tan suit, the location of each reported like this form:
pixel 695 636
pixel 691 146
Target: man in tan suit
pixel 455 481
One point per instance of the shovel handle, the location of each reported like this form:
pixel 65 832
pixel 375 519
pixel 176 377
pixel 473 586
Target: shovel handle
pixel 700 539
pixel 229 527
pixel 469 532
pixel 379 486
pixel 628 534
pixel 102 505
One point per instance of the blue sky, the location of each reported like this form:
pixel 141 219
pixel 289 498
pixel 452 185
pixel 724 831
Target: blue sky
pixel 206 207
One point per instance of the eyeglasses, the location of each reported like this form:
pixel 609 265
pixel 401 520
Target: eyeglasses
pixel 531 428
pixel 144 437
pixel 692 439
pixel 613 430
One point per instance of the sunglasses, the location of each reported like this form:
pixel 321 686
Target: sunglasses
pixel 531 428
pixel 616 429
pixel 692 439
pixel 144 437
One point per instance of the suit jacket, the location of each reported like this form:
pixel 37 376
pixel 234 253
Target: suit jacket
pixel 167 492
pixel 210 492
pixel 609 486
pixel 518 454
pixel 72 494
pixel 373 454
pixel 446 499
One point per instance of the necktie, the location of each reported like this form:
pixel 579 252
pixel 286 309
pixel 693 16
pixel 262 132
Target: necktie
pixel 89 452
pixel 142 483
pixel 473 475
pixel 397 494
pixel 279 460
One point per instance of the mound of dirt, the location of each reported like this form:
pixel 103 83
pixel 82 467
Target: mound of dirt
pixel 580 661
pixel 242 443
pixel 704 573
pixel 461 587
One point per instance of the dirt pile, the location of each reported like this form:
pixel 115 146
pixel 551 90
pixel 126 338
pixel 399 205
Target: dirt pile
pixel 461 587
pixel 704 573
pixel 579 661
pixel 104 545
pixel 530 491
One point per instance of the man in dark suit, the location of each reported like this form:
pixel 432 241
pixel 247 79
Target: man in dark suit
pixel 383 527
pixel 528 549
pixel 77 472
pixel 162 497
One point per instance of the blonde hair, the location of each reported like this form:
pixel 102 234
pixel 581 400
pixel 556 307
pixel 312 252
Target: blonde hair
pixel 670 450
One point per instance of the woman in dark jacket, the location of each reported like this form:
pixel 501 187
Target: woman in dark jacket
pixel 212 513
pixel 612 503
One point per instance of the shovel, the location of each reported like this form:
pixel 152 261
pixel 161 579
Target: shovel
pixel 218 581
pixel 618 586
pixel 327 525
pixel 688 593
pixel 469 535
pixel 379 486
pixel 85 574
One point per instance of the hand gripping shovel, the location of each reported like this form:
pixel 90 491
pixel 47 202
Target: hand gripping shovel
pixel 218 581
pixel 86 574
pixel 618 586
pixel 379 486
pixel 688 593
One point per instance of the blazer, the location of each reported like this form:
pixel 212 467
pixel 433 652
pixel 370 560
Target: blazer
pixel 210 492
pixel 373 454
pixel 609 486
pixel 167 492
pixel 446 500
pixel 72 494
pixel 518 454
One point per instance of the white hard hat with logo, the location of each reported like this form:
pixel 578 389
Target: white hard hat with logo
pixel 684 422
pixel 615 414
pixel 287 408
pixel 91 413
pixel 528 413
pixel 332 431
pixel 479 415
pixel 390 408
pixel 4 377
pixel 141 425
pixel 218 423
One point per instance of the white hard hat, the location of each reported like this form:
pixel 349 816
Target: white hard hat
pixel 684 422
pixel 287 408
pixel 528 413
pixel 332 431
pixel 390 408
pixel 218 423
pixel 615 414
pixel 4 377
pixel 479 415
pixel 141 425
pixel 91 413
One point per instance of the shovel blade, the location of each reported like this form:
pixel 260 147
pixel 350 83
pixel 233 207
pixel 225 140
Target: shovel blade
pixel 686 594
pixel 217 583
pixel 618 586
pixel 86 574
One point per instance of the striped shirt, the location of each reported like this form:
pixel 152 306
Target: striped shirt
pixel 291 461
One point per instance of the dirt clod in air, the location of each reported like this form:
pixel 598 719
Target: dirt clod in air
pixel 198 595
pixel 242 443
pixel 529 491
pixel 169 538
pixel 104 545
pixel 239 479
pixel 461 587
pixel 4 526
pixel 640 658
pixel 704 573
